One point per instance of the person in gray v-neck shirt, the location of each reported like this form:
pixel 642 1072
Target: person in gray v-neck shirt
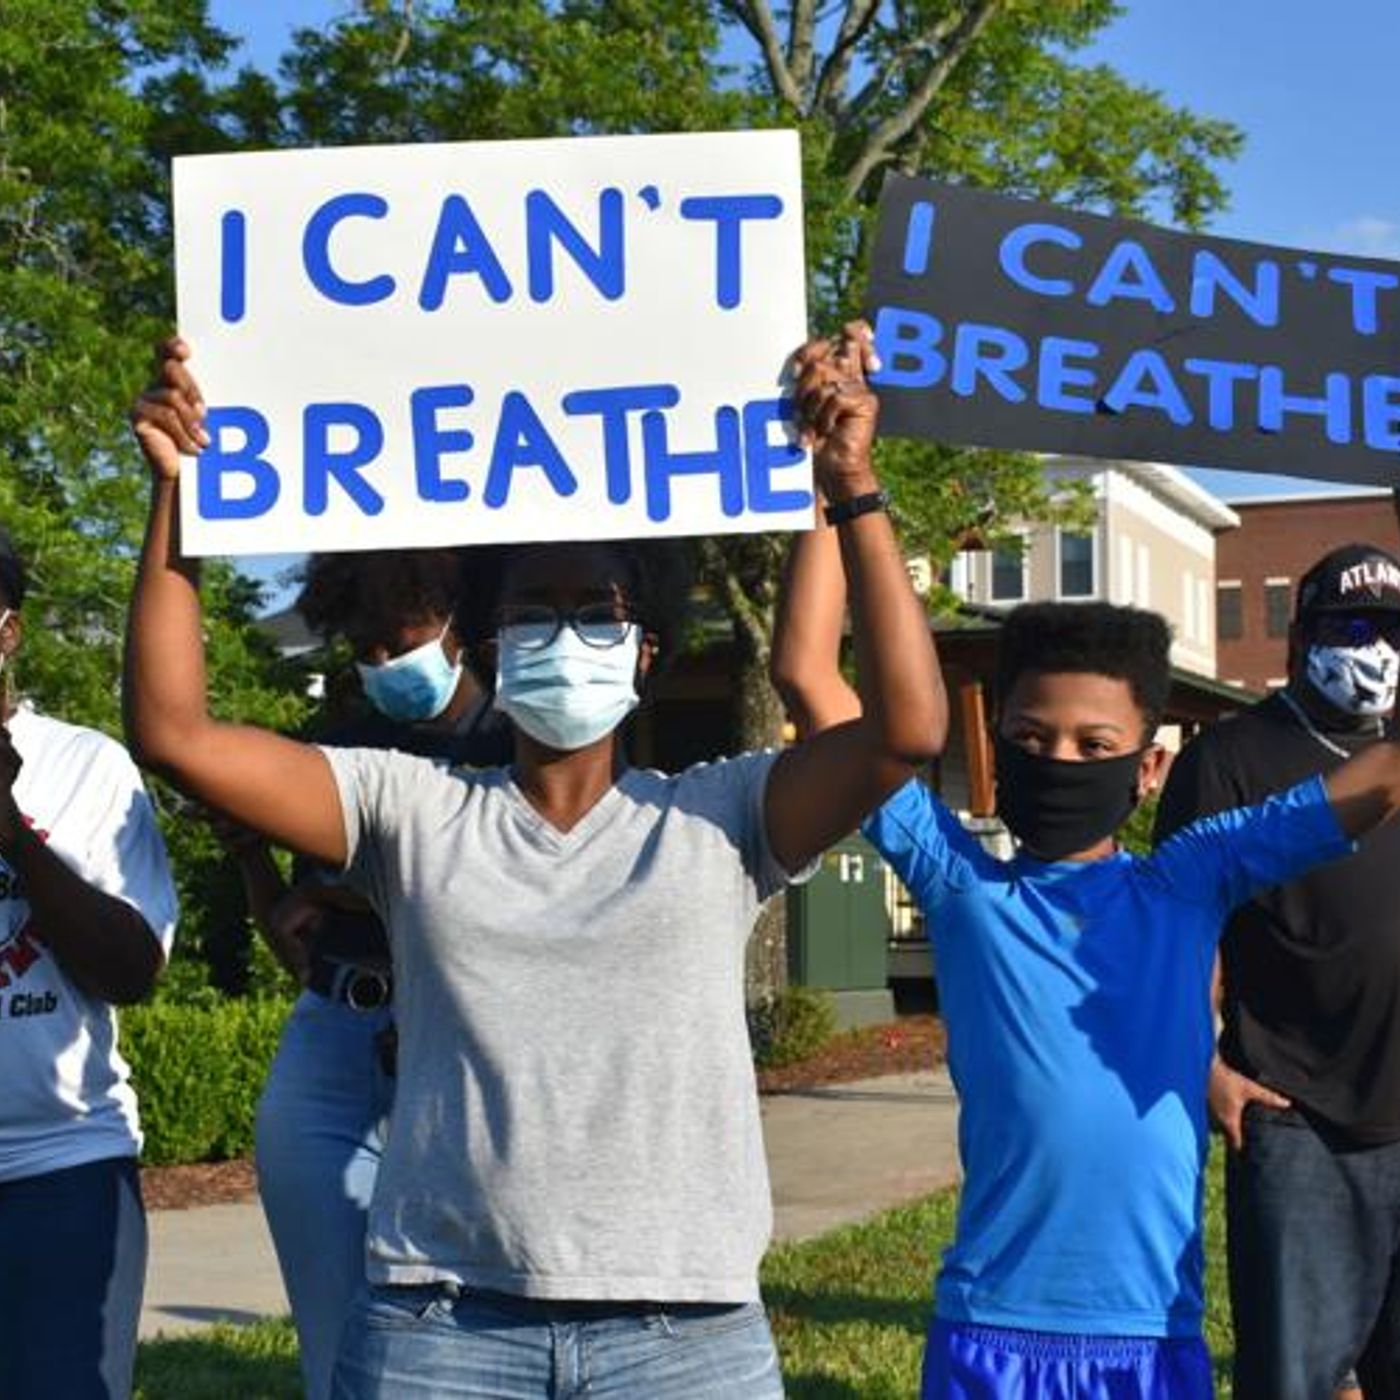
pixel 573 1196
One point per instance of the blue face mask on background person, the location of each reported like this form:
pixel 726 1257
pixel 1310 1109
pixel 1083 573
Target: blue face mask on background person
pixel 417 685
pixel 566 694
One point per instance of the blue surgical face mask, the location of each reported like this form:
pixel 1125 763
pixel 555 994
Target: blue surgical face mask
pixel 415 686
pixel 568 694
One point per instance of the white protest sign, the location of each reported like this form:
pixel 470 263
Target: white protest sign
pixel 516 340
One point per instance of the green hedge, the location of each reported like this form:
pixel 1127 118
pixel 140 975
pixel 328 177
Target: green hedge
pixel 198 1070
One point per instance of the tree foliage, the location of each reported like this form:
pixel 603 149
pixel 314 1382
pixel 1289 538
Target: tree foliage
pixel 987 92
pixel 84 293
pixel 95 94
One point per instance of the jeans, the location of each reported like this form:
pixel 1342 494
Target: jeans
pixel 71 1282
pixel 1314 1242
pixel 437 1340
pixel 319 1138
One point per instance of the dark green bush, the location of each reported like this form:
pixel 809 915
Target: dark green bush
pixel 198 1070
pixel 792 1026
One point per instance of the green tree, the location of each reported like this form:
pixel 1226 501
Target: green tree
pixel 84 293
pixel 987 92
pixel 983 91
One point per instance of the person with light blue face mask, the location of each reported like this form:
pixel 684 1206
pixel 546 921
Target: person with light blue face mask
pixel 321 1116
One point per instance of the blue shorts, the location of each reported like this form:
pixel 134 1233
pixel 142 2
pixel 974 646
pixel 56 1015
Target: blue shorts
pixel 965 1361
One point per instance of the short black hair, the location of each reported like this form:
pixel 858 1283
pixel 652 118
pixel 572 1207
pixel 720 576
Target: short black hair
pixel 378 590
pixel 1099 639
pixel 659 576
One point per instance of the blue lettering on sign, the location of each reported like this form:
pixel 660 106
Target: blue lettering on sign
pixel 219 461
pixel 1056 375
pixel 990 352
pixel 763 457
pixel 233 266
pixel 905 342
pixel 315 250
pixel 1380 400
pixel 1210 274
pixel 728 213
pixel 1127 274
pixel 1145 381
pixel 661 464
pixel 1333 407
pixel 918 238
pixel 1013 257
pixel 1365 286
pixel 546 224
pixel 522 440
pixel 613 406
pixel 1221 376
pixel 460 246
pixel 431 441
pixel 322 465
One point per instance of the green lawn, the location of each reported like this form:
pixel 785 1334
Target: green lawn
pixel 848 1309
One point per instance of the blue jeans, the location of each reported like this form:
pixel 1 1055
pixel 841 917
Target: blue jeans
pixel 437 1340
pixel 71 1282
pixel 319 1139
pixel 1314 1246
pixel 965 1361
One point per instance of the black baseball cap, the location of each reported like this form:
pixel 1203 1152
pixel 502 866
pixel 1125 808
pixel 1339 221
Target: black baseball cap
pixel 1353 578
pixel 12 581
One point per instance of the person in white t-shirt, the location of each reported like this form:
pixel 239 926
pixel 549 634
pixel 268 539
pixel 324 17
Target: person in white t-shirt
pixel 87 911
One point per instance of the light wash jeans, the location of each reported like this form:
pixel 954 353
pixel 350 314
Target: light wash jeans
pixel 435 1340
pixel 320 1132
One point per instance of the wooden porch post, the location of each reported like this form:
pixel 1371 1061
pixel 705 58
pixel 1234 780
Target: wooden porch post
pixel 973 710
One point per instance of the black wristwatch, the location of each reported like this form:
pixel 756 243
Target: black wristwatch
pixel 841 511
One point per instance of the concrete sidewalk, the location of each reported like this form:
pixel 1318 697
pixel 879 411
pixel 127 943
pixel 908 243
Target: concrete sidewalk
pixel 836 1154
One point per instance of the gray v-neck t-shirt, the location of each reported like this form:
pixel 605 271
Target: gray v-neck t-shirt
pixel 576 1114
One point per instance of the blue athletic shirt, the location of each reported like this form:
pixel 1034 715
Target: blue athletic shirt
pixel 1077 1001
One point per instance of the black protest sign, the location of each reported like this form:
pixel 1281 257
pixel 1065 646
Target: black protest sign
pixel 1007 323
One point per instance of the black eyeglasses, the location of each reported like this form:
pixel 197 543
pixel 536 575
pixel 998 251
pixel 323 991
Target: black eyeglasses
pixel 1341 629
pixel 533 626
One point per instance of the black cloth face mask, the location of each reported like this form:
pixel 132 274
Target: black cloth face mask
pixel 1055 807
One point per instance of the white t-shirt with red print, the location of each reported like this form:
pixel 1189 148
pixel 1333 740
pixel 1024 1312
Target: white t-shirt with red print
pixel 64 1095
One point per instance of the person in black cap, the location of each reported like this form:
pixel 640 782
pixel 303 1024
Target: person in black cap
pixel 87 911
pixel 1306 1084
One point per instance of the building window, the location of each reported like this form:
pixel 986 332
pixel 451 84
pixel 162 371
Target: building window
pixel 1008 574
pixel 1229 612
pixel 1076 565
pixel 1277 595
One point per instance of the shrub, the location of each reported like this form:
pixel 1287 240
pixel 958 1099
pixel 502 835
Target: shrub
pixel 198 1070
pixel 791 1026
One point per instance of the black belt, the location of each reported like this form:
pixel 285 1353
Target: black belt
pixel 360 986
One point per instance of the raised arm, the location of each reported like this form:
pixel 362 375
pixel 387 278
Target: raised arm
pixel 807 638
pixel 852 756
pixel 261 780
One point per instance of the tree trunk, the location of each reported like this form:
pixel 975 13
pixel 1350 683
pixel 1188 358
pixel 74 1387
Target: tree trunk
pixel 759 724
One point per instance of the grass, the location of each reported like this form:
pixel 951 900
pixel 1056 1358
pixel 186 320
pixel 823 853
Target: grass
pixel 849 1312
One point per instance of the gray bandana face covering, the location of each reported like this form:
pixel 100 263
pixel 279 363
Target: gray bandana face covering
pixel 1357 680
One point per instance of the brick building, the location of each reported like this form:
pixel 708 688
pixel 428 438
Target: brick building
pixel 1257 567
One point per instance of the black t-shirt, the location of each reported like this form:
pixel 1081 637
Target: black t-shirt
pixel 1311 1002
pixel 481 739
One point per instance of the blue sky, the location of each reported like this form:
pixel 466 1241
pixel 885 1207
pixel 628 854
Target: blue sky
pixel 1312 87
